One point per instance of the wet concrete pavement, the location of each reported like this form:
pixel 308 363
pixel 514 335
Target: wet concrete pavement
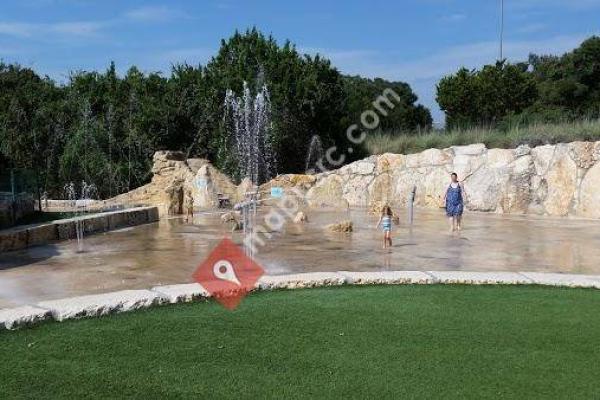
pixel 168 252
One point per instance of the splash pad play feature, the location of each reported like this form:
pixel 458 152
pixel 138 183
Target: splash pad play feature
pixel 248 121
pixel 80 201
pixel 560 250
pixel 168 252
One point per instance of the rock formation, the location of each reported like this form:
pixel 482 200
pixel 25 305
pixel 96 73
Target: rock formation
pixel 343 226
pixel 557 180
pixel 173 176
pixel 232 218
pixel 300 217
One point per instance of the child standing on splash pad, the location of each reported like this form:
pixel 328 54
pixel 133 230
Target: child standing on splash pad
pixel 385 220
pixel 189 207
pixel 454 200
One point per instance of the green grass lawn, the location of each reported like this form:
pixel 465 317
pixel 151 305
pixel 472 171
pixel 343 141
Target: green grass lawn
pixel 349 342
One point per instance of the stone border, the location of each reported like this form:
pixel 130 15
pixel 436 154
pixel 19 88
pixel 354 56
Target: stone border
pixel 129 300
pixel 63 229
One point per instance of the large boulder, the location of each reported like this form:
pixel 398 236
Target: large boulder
pixel 589 194
pixel 583 154
pixel 362 167
pixel 485 188
pixel 166 161
pixel 517 191
pixel 428 158
pixel 300 217
pixel 327 192
pixel 388 163
pixel 343 226
pixel 202 189
pixel 381 190
pixel 465 165
pixel 355 190
pixel 433 187
pixel 499 158
pixel 561 181
pixel 475 149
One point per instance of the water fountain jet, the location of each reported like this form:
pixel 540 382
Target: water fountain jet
pixel 80 204
pixel 248 120
pixel 314 156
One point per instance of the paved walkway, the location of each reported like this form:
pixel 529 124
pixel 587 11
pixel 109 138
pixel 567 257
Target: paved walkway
pixel 169 251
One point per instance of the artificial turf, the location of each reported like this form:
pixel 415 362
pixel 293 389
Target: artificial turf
pixel 348 342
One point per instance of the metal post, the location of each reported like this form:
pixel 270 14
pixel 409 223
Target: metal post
pixel 411 200
pixel 501 29
pixel 13 203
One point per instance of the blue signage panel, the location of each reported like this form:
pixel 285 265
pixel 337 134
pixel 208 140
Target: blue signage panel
pixel 277 192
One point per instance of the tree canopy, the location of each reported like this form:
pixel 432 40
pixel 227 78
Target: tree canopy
pixel 103 128
pixel 485 96
pixel 546 88
pixel 406 116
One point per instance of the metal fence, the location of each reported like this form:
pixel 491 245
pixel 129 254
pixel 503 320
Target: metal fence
pixel 19 193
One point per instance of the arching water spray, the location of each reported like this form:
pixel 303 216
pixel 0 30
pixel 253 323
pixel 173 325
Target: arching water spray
pixel 80 203
pixel 314 155
pixel 248 122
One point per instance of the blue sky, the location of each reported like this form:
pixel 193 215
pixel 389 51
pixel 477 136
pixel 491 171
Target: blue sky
pixel 414 41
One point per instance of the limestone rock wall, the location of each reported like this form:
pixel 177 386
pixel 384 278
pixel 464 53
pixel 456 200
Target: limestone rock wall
pixel 174 177
pixel 557 180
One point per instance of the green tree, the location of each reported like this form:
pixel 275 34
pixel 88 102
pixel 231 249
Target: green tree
pixel 305 93
pixel 571 82
pixel 405 116
pixel 29 106
pixel 103 127
pixel 486 96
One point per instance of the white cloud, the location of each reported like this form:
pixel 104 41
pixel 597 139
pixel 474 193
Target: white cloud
pixel 424 73
pixel 17 29
pixel 81 28
pixel 78 29
pixel 224 5
pixel 8 51
pixel 532 27
pixel 449 59
pixel 153 14
pixel 573 4
pixel 28 30
pixel 453 17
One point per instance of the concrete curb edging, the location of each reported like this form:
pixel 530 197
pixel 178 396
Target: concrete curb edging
pixel 304 280
pixel 481 278
pixel 387 278
pixel 96 305
pixel 129 300
pixel 555 279
pixel 12 318
pixel 182 293
pixel 19 238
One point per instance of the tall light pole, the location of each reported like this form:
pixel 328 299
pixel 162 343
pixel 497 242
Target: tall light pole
pixel 501 28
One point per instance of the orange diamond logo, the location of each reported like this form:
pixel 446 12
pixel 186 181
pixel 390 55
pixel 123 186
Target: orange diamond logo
pixel 228 274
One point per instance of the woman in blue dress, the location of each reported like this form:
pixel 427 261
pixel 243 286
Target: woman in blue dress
pixel 454 200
